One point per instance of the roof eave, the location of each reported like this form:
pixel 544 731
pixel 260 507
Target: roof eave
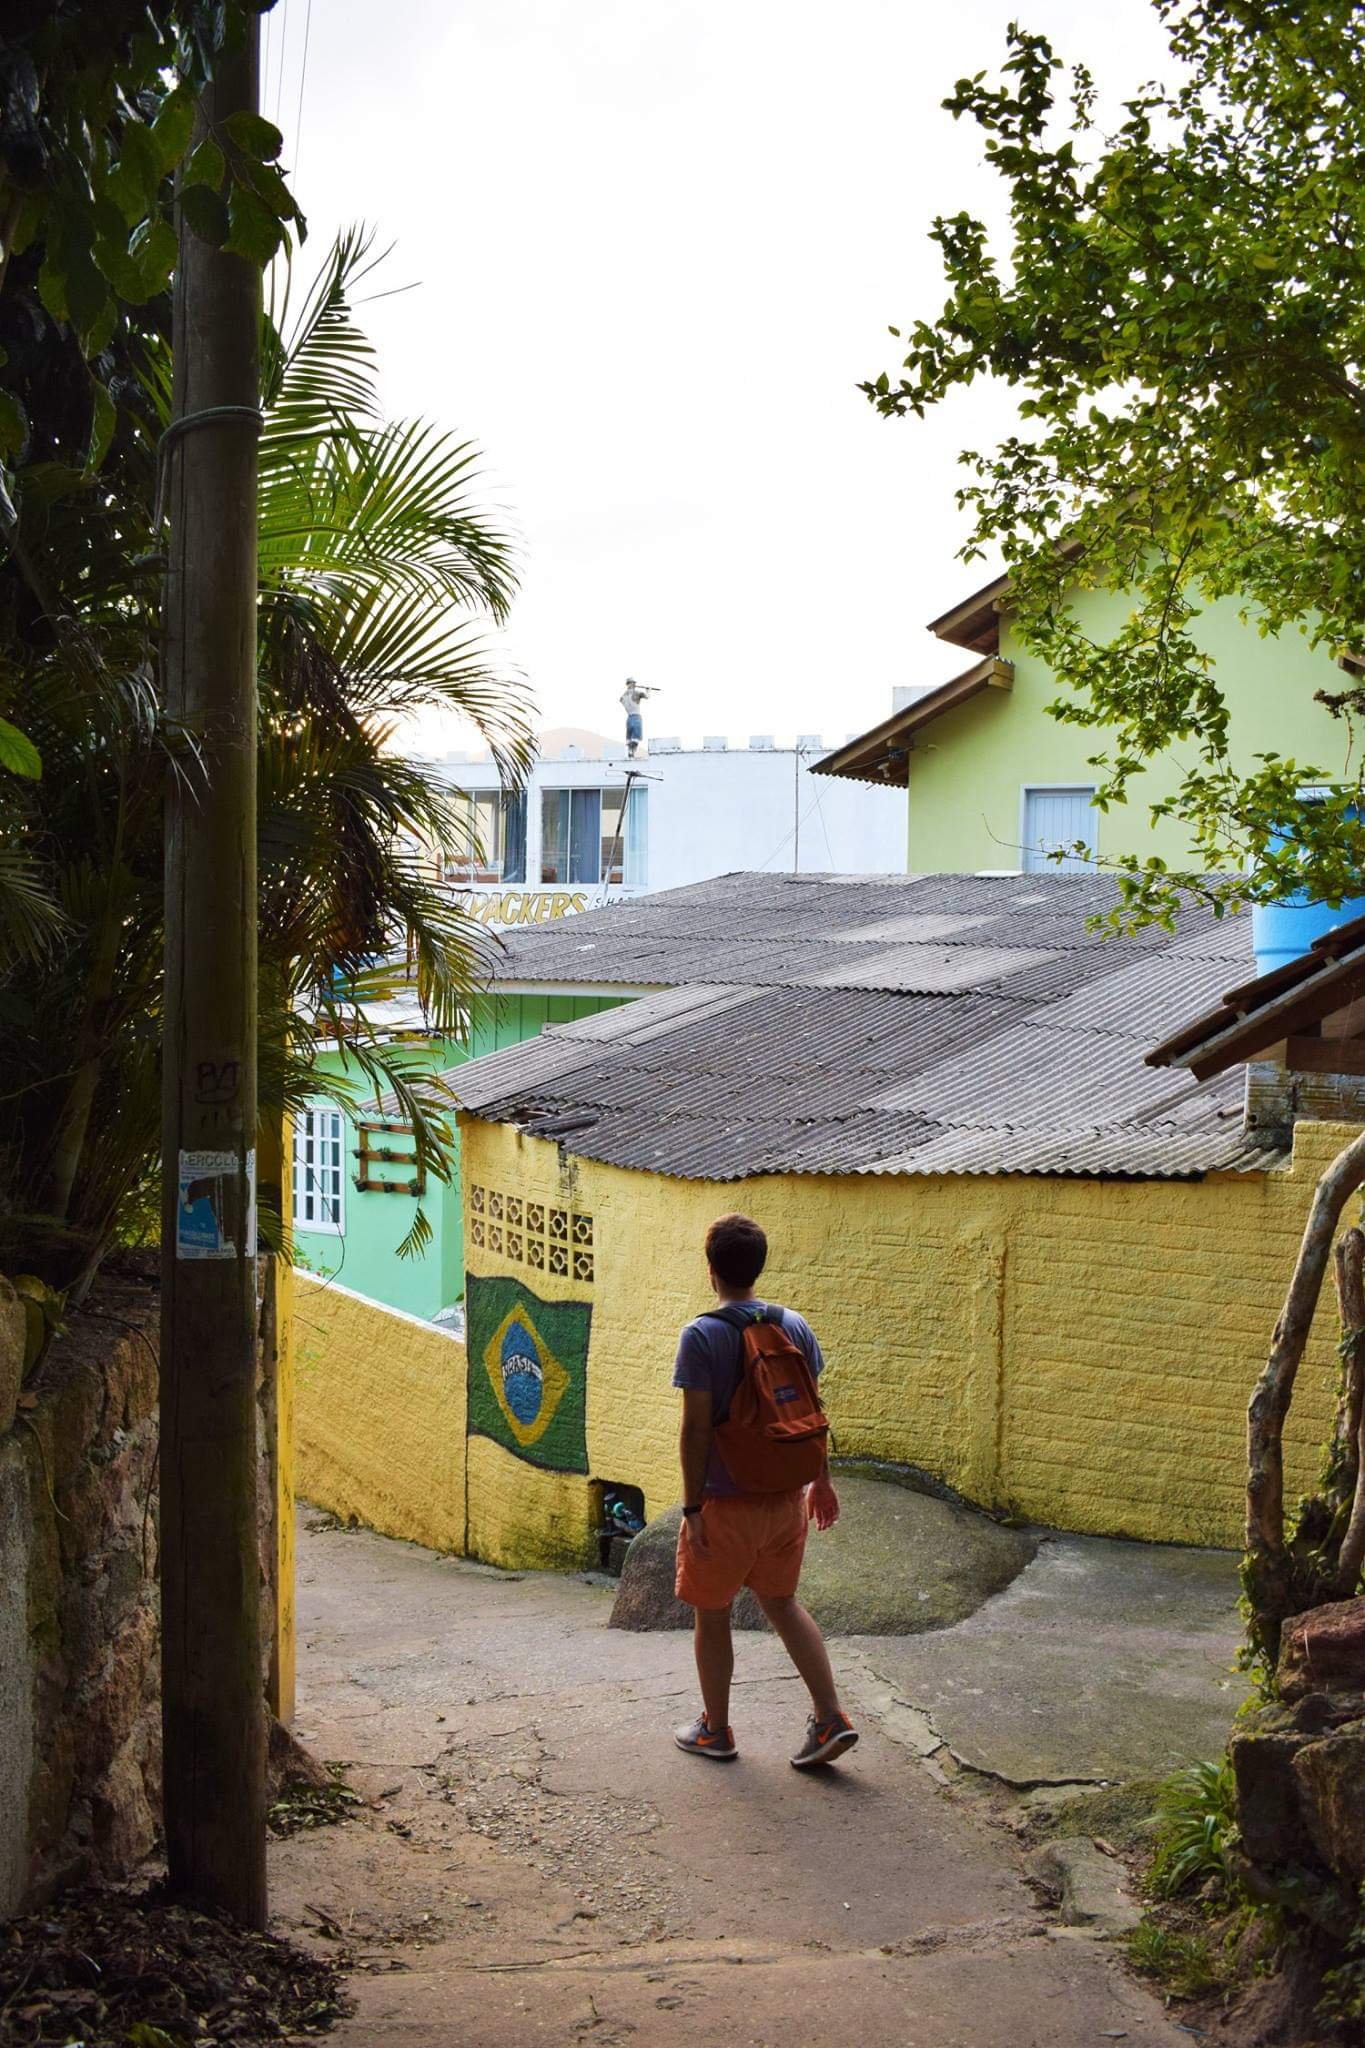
pixel 876 756
pixel 974 622
pixel 1242 1027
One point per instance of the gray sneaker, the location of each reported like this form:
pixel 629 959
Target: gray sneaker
pixel 699 1738
pixel 825 1740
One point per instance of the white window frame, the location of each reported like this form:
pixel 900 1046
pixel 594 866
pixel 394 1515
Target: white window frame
pixel 1028 789
pixel 316 1196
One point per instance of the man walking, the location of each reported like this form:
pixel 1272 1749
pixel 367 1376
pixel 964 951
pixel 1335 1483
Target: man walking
pixel 732 1537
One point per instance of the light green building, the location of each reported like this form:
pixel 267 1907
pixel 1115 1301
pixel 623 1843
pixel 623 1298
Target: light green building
pixel 354 1192
pixel 994 781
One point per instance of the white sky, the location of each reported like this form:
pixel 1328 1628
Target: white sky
pixel 658 244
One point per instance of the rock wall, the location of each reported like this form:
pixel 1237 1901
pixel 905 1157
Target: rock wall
pixel 80 1735
pixel 1300 1769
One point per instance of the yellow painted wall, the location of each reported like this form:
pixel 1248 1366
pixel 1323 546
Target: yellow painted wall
pixel 379 1415
pixel 524 1517
pixel 1080 1352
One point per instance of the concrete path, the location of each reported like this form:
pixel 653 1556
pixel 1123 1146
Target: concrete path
pixel 537 1864
pixel 1119 1659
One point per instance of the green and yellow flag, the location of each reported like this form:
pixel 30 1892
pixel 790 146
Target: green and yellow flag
pixel 528 1372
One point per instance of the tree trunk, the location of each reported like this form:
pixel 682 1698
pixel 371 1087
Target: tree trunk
pixel 212 1700
pixel 1268 1573
pixel 1348 1448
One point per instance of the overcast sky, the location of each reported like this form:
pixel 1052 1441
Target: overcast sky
pixel 657 244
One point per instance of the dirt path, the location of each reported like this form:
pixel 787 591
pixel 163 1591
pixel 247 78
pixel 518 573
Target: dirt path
pixel 537 1863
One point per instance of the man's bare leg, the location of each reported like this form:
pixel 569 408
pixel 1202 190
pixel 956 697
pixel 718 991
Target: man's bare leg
pixel 804 1644
pixel 715 1649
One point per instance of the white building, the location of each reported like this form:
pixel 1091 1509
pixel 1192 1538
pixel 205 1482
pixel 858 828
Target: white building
pixel 586 830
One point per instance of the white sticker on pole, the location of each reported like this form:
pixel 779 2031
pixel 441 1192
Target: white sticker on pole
pixel 215 1213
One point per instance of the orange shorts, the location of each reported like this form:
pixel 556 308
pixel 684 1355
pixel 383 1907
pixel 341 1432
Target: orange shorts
pixel 753 1539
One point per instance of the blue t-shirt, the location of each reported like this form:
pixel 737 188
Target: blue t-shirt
pixel 711 1361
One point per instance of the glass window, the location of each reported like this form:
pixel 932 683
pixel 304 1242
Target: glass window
pixel 637 837
pixel 512 847
pixel 570 835
pixel 494 845
pixel 319 1171
pixel 554 835
pixel 625 838
pixel 613 835
pixel 585 838
pixel 585 832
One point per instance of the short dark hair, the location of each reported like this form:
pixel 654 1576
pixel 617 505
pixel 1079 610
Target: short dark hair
pixel 736 1250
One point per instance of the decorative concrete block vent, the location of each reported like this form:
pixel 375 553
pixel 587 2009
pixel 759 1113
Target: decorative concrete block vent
pixel 532 1233
pixel 714 743
pixel 760 743
pixel 672 745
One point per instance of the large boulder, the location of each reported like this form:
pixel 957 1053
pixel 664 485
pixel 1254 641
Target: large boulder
pixel 1331 1780
pixel 1300 1773
pixel 1262 1750
pixel 896 1563
pixel 1323 1650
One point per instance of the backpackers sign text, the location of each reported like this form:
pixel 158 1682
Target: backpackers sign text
pixel 528 1365
pixel 520 906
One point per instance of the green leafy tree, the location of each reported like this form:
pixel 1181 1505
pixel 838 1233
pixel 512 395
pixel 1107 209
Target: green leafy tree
pixel 1180 306
pixel 97 107
pixel 378 574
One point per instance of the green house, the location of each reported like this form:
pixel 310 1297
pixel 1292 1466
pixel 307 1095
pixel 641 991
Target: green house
pixel 354 1192
pixel 995 782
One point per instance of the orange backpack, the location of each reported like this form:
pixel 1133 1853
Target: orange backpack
pixel 776 1434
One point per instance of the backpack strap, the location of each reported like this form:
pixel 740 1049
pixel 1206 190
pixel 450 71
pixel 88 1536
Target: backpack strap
pixel 735 1314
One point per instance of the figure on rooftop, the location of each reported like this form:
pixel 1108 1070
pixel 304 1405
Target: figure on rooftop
pixel 632 698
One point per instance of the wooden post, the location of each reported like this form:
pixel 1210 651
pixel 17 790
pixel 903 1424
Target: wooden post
pixel 277 1418
pixel 212 1699
pixel 1268 1572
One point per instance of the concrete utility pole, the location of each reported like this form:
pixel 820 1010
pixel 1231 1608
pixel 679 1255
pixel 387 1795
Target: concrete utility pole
pixel 212 1700
pixel 796 805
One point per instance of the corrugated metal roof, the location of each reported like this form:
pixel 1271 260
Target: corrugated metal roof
pixel 880 1024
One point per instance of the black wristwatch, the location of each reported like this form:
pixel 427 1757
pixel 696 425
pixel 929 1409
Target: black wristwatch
pixel 695 1509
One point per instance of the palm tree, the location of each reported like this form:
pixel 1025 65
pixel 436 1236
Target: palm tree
pixel 379 576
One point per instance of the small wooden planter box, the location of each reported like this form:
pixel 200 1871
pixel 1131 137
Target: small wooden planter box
pixel 380 1158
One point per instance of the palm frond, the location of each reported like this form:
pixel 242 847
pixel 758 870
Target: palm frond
pixel 30 919
pixel 393 502
pixel 317 375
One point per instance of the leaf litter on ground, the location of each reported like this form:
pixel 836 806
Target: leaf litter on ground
pixel 301 1804
pixel 111 1968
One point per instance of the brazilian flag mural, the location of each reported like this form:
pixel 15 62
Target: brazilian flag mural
pixel 528 1371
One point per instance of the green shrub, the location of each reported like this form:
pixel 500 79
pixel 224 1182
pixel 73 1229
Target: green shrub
pixel 1182 1962
pixel 1343 2002
pixel 1195 1818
